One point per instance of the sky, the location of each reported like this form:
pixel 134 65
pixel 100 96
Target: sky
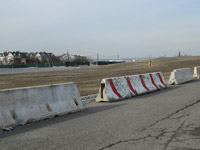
pixel 128 28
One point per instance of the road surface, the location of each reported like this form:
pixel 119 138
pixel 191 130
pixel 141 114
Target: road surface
pixel 163 120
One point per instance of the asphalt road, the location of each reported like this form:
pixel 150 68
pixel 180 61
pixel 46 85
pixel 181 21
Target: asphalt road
pixel 165 120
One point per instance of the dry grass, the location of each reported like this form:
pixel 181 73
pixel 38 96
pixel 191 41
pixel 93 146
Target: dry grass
pixel 88 79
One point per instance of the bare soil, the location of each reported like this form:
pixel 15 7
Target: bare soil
pixel 88 78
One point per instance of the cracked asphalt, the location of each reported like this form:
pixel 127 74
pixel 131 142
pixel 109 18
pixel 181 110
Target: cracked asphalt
pixel 165 120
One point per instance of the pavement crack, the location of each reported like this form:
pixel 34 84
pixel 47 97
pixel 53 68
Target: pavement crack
pixel 176 112
pixel 157 136
pixel 133 140
pixel 173 136
pixel 125 141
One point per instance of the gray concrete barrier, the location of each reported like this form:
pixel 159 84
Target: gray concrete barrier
pixel 23 105
pixel 196 72
pixel 179 76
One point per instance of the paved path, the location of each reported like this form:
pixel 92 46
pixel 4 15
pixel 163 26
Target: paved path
pixel 32 69
pixel 164 120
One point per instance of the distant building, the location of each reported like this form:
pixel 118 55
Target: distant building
pixel 8 58
pixel 73 58
pixel 23 58
pixel 38 57
pixel 1 58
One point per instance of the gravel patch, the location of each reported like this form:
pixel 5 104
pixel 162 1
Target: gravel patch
pixel 89 98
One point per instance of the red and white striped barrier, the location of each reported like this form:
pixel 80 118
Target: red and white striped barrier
pixel 145 83
pixel 113 89
pixel 137 84
pixel 158 80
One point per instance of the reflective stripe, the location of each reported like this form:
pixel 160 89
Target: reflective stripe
pixel 113 88
pixel 152 80
pixel 130 86
pixel 144 85
pixel 161 79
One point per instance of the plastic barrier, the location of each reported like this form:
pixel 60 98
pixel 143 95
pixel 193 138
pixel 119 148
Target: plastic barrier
pixel 196 72
pixel 113 89
pixel 180 76
pixel 22 105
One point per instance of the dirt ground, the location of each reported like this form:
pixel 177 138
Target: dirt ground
pixel 88 78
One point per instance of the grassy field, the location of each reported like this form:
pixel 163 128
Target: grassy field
pixel 88 79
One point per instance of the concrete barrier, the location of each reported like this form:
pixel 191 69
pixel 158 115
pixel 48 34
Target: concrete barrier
pixel 135 85
pixel 158 80
pixel 23 105
pixel 140 84
pixel 179 76
pixel 145 83
pixel 196 72
pixel 113 89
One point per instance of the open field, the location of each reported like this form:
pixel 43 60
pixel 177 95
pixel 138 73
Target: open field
pixel 88 78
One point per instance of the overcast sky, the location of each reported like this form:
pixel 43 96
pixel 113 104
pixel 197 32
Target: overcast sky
pixel 130 28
